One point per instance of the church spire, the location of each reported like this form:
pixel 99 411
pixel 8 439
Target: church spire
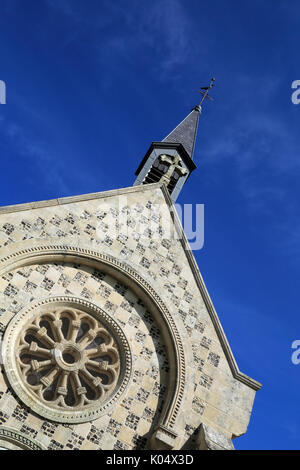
pixel 186 131
pixel 171 160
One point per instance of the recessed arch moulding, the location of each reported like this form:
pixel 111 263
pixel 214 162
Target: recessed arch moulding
pixel 31 254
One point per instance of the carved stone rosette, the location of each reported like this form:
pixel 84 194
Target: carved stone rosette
pixel 63 357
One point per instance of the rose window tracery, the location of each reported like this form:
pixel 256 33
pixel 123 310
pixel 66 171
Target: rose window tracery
pixel 68 359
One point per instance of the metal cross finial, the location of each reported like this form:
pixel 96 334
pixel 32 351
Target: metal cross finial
pixel 205 93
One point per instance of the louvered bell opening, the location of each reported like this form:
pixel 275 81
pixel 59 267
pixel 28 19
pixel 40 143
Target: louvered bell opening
pixel 157 170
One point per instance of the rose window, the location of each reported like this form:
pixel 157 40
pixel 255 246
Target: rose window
pixel 68 359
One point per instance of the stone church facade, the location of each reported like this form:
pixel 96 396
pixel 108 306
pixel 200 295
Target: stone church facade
pixel 109 339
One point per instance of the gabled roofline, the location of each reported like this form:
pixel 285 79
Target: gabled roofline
pixel 71 199
pixel 237 374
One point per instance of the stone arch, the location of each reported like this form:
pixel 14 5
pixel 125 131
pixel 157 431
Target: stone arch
pixel 11 439
pixel 129 276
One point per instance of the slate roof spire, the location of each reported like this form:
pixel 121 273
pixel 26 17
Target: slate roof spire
pixel 171 160
pixel 186 131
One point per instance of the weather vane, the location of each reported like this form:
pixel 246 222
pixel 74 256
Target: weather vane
pixel 205 93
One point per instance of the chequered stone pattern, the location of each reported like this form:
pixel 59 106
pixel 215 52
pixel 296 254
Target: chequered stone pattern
pixel 127 423
pixel 134 229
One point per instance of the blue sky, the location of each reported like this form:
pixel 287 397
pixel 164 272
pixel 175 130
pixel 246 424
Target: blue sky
pixel 90 84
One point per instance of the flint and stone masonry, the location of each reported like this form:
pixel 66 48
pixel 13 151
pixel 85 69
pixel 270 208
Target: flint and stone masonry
pixel 180 387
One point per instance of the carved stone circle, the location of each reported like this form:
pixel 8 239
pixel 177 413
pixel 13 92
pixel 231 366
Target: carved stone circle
pixel 66 359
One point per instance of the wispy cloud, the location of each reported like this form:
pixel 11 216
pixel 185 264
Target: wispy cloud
pixel 262 148
pixel 166 31
pixel 162 33
pixel 68 9
pixel 292 428
pixel 44 168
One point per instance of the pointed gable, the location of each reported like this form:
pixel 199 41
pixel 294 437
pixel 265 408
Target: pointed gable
pixel 152 289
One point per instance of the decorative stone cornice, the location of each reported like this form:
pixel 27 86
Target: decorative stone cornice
pixel 163 438
pixel 210 439
pixel 19 439
pixel 74 199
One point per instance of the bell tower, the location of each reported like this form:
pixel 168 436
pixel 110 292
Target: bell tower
pixel 171 160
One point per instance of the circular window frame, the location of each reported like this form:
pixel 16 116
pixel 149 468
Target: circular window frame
pixel 28 397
